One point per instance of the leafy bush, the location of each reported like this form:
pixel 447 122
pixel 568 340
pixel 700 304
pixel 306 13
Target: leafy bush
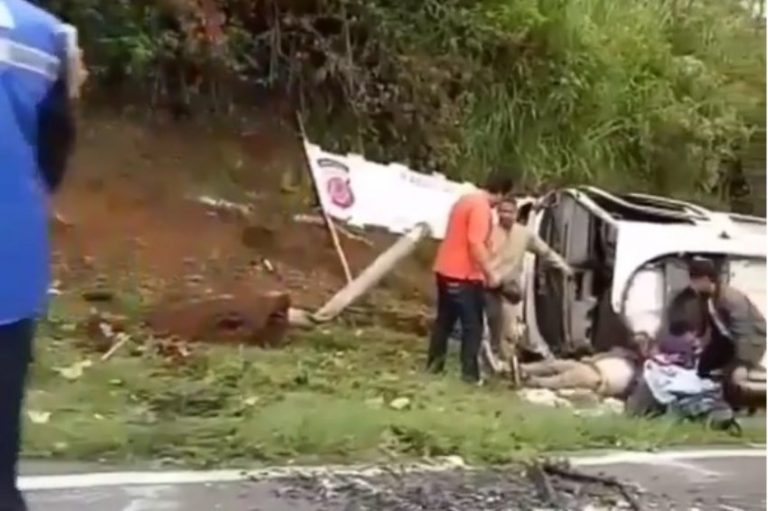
pixel 656 94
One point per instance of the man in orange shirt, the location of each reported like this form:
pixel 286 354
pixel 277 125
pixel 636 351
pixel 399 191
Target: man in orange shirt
pixel 463 271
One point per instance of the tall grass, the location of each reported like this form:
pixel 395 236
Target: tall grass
pixel 636 94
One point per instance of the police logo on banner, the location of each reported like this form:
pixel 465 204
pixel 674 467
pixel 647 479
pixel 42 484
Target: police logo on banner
pixel 337 183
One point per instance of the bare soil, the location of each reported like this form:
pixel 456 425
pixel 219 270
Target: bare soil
pixel 130 221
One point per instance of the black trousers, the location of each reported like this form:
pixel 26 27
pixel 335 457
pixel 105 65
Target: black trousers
pixel 462 301
pixel 15 356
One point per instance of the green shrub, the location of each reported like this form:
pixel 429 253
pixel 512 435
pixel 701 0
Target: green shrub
pixel 656 94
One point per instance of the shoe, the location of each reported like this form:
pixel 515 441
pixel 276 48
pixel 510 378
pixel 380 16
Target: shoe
pixel 478 382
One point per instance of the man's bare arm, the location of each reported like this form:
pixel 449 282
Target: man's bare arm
pixel 482 257
pixel 479 231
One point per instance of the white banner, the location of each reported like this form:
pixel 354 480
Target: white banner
pixel 363 193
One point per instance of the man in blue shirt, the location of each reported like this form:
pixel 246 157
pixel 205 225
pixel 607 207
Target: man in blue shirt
pixel 36 137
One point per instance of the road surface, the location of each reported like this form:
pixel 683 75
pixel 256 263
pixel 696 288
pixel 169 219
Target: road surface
pixel 718 480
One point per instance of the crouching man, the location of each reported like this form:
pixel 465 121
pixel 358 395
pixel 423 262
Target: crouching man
pixel 737 334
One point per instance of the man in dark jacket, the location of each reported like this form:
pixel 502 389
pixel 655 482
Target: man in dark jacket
pixel 736 325
pixel 36 137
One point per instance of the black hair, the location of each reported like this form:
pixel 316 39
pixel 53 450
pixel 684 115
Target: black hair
pixel 678 327
pixel 702 268
pixel 498 183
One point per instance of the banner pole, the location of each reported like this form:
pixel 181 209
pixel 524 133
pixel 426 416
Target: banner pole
pixel 328 220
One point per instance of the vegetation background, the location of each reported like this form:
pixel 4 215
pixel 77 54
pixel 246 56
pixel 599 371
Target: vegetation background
pixel 659 95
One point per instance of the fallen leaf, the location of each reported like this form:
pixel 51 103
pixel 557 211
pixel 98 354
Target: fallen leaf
pixel 400 403
pixel 38 417
pixel 375 402
pixel 106 330
pixel 71 373
pixel 74 371
pixel 68 327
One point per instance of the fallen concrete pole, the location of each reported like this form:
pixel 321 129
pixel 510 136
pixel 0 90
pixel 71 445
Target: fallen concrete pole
pixel 373 274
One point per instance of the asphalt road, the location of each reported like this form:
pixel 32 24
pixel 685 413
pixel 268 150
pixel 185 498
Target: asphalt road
pixel 672 482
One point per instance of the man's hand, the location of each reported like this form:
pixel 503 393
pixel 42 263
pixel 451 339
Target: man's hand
pixel 568 272
pixel 492 280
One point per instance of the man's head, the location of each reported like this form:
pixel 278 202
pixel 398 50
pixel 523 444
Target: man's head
pixel 498 185
pixel 507 209
pixel 703 276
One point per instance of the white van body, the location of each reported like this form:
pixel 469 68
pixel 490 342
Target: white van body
pixel 629 254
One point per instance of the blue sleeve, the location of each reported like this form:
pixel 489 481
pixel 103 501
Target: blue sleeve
pixel 56 130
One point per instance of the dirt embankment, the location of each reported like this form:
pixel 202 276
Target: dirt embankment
pixel 132 222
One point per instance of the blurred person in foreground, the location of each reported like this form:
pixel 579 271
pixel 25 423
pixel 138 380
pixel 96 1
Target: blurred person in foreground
pixel 37 74
pixel 463 271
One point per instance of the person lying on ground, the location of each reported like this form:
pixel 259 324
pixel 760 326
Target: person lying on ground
pixel 462 272
pixel 608 374
pixel 510 241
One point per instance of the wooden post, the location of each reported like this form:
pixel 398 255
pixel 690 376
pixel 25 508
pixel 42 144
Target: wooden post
pixel 373 274
pixel 328 221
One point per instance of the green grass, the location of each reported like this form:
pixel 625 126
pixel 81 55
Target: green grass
pixel 325 397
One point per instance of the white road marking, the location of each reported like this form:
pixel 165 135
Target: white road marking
pixel 107 479
pixel 655 457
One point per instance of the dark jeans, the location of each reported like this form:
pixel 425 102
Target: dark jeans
pixel 461 300
pixel 15 356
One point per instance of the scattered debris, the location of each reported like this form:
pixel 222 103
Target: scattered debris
pixel 267 264
pixel 101 328
pixel 173 349
pixel 225 207
pixel 74 371
pixel 458 489
pixel 38 417
pixel 55 288
pixel 251 401
pixel 562 470
pixel 120 340
pixel 400 403
pixel 248 317
pixel 543 484
pixel 583 402
pixel 544 397
pixel 60 222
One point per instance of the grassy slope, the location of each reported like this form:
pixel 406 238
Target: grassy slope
pixel 326 397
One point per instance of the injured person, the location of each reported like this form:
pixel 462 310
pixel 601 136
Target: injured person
pixel 608 374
